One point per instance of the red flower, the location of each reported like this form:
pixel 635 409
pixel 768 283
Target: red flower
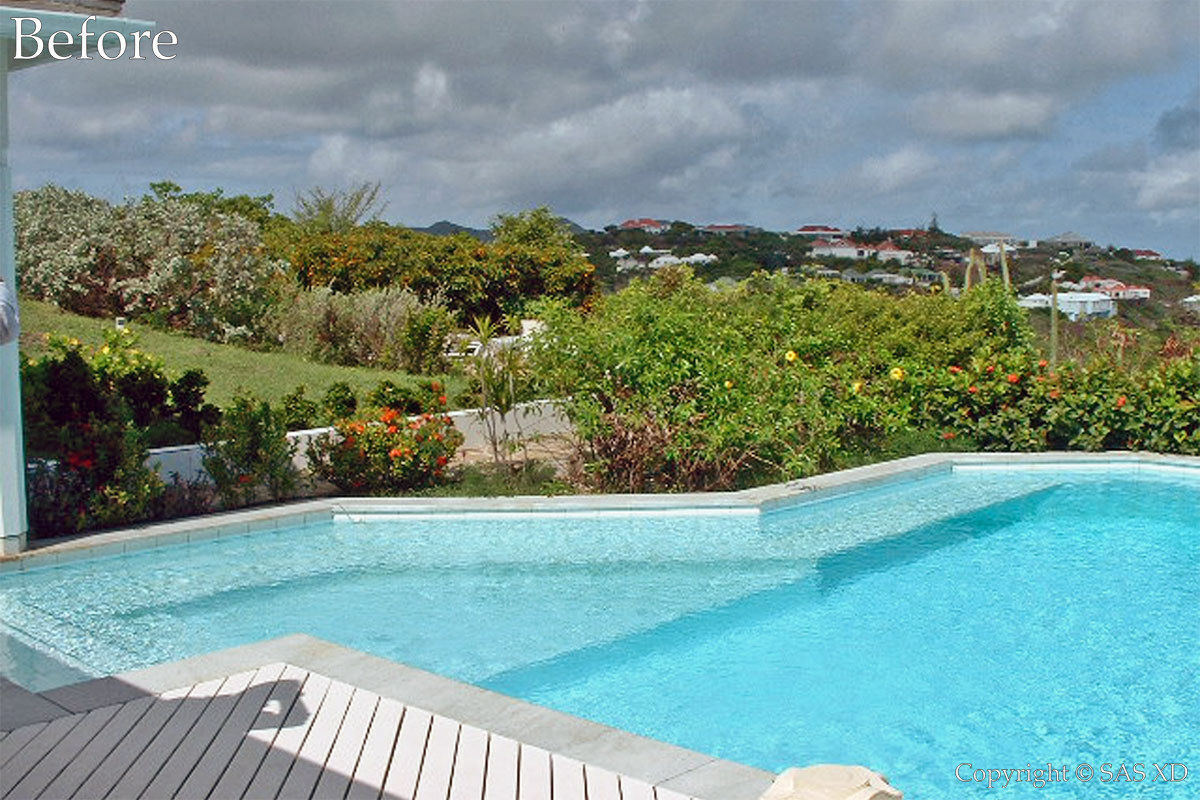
pixel 435 386
pixel 441 461
pixel 442 399
pixel 1054 394
pixel 388 415
pixel 244 479
pixel 1043 363
pixel 955 370
pixel 948 435
pixel 991 369
pixel 973 389
pixel 1013 377
pixel 1121 401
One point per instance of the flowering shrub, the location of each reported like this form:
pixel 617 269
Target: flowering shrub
pixel 674 386
pixel 177 263
pixel 132 383
pixel 388 453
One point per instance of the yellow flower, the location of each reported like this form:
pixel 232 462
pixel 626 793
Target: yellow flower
pixel 790 355
pixel 728 384
pixel 75 342
pixel 104 349
pixel 897 374
pixel 857 387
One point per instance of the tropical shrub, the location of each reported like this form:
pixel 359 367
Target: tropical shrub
pixel 135 385
pixel 672 385
pixel 299 413
pixel 388 328
pixel 178 264
pixel 249 456
pixel 387 453
pixel 340 402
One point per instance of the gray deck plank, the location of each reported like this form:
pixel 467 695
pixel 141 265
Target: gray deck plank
pixel 317 745
pixel 663 793
pixel 567 778
pixel 109 771
pixel 36 780
pixel 401 782
pixel 275 767
pixel 376 753
pixel 204 754
pixel 38 747
pixel 601 784
pixel 438 764
pixel 470 764
pixel 533 781
pixel 103 743
pixel 257 742
pixel 200 699
pixel 503 767
pixel 339 767
pixel 13 743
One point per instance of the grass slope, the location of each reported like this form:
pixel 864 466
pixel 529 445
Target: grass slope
pixel 268 375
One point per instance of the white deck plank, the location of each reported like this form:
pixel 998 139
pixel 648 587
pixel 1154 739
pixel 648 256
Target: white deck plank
pixel 20 764
pixel 36 780
pixel 503 766
pixel 200 699
pixel 601 784
pixel 377 750
pixel 275 767
pixel 401 782
pixel 533 781
pixel 470 764
pixel 339 767
pixel 311 761
pixel 204 754
pixel 110 770
pixel 13 743
pixel 255 745
pixel 633 789
pixel 103 743
pixel 434 783
pixel 567 778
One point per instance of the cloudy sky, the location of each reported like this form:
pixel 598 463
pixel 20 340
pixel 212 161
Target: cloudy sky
pixel 1033 117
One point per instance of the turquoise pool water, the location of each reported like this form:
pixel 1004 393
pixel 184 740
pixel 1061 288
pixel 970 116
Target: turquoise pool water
pixel 1000 618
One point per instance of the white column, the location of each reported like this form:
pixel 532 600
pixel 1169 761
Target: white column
pixel 13 524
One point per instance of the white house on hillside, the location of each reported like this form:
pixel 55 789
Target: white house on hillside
pixel 1074 305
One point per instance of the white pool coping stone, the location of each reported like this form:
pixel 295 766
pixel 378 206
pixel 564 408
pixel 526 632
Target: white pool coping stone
pixel 745 501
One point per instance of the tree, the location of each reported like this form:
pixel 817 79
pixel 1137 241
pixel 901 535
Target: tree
pixel 537 227
pixel 340 210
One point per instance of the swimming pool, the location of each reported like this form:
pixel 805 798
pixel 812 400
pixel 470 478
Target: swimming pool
pixel 992 616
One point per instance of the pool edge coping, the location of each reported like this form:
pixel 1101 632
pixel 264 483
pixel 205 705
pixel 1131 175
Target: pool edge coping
pixel 758 499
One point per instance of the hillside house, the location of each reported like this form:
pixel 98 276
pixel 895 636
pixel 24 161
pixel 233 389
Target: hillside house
pixel 1147 255
pixel 645 224
pixel 1117 290
pixel 991 237
pixel 1075 305
pixel 827 232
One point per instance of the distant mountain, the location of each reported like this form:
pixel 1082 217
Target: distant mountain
pixel 447 228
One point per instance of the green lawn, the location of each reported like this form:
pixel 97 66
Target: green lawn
pixel 268 375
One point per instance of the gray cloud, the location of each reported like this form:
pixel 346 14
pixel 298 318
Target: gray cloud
pixel 767 112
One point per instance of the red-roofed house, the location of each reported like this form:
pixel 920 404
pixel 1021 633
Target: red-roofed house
pixel 1147 255
pixel 645 224
pixel 1114 288
pixel 820 231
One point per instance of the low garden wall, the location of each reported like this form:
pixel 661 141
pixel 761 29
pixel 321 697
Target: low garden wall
pixel 541 418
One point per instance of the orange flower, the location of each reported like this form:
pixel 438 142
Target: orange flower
pixel 955 370
pixel 441 461
pixel 1043 363
pixel 1054 394
pixel 388 415
pixel 396 452
pixel 948 435
pixel 973 389
pixel 392 429
pixel 442 399
pixel 1013 377
pixel 1121 401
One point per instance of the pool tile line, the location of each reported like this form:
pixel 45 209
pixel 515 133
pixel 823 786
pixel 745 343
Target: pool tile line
pixel 758 499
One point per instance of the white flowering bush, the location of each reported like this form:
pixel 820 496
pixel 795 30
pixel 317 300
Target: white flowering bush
pixel 165 260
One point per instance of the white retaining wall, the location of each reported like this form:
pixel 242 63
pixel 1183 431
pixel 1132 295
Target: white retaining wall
pixel 541 418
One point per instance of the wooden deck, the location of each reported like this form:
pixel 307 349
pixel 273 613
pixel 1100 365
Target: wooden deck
pixel 287 732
